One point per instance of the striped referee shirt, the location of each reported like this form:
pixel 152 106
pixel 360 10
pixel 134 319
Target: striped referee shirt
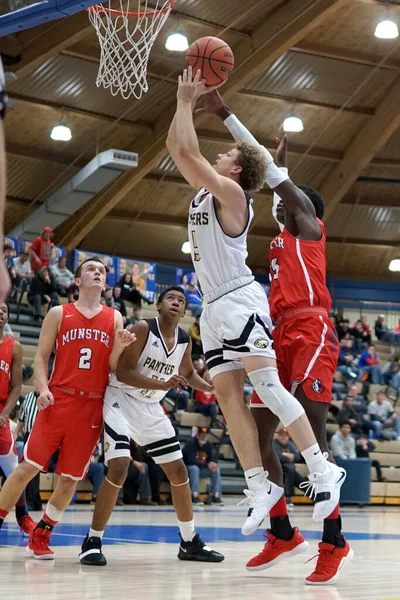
pixel 29 411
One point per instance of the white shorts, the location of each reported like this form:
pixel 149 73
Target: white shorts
pixel 234 326
pixel 126 418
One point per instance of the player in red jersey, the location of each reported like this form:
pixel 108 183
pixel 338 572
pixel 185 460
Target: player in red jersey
pixel 305 344
pixel 10 389
pixel 88 340
pixel 307 351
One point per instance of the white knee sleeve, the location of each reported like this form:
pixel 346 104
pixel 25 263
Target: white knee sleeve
pixel 270 390
pixel 8 462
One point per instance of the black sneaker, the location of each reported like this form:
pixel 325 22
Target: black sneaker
pixel 91 552
pixel 197 550
pixel 216 501
pixel 196 501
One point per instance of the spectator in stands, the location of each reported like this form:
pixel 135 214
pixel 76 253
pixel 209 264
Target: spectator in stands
pixel 343 329
pixel 349 414
pixel 339 318
pixel 363 447
pixel 63 277
pixel 360 402
pixel 23 272
pixel 41 249
pixel 288 455
pixel 391 373
pixel 95 473
pixel 119 304
pixel 343 445
pixel 7 250
pixel 130 292
pixel 369 365
pixel 195 303
pixel 361 337
pixel 199 457
pixel 397 328
pixel 367 328
pixel 42 291
pixel 135 317
pixel 108 295
pixel 346 361
pixel 206 402
pixel 382 414
pixel 385 334
pixel 137 479
pixel 198 364
pixel 184 281
pixel 194 332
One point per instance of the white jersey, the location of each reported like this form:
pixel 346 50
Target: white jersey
pixel 156 362
pixel 218 258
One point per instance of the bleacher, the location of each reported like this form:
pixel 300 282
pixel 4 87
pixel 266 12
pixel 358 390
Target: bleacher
pixel 388 452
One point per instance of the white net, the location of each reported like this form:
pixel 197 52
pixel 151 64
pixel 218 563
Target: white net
pixel 127 30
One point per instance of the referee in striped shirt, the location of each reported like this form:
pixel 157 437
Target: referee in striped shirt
pixel 26 420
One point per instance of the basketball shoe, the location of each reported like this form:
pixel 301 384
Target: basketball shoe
pixel 276 550
pixel 324 489
pixel 38 545
pixel 198 551
pixel 92 552
pixel 330 561
pixel 260 503
pixel 27 524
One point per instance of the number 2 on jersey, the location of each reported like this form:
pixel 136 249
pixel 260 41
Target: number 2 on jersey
pixel 274 269
pixel 85 358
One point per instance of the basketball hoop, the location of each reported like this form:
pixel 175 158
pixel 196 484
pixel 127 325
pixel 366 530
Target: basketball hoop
pixel 126 38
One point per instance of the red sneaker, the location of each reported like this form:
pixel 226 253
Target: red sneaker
pixel 330 561
pixel 276 550
pixel 38 545
pixel 27 524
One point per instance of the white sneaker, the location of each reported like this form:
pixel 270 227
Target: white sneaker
pixel 324 489
pixel 260 503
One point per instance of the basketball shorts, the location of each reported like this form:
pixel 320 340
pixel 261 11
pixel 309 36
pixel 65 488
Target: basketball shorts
pixel 7 443
pixel 127 418
pixel 307 351
pixel 71 424
pixel 234 326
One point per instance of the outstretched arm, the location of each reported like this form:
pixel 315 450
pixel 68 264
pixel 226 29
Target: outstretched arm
pixel 183 146
pixel 296 203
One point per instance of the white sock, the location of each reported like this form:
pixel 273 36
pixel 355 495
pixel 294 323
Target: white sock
pixel 53 513
pixel 94 533
pixel 187 530
pixel 315 459
pixel 255 478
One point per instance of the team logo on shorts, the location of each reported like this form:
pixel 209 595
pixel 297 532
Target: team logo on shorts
pixel 261 343
pixel 106 447
pixel 318 386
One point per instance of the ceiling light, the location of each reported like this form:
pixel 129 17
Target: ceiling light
pixel 186 248
pixel 394 265
pixel 387 30
pixel 293 124
pixel 61 133
pixel 177 42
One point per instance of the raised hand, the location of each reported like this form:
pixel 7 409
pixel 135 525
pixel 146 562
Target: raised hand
pixel 281 151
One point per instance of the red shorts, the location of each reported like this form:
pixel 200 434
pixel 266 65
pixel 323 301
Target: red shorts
pixel 7 443
pixel 72 424
pixel 307 351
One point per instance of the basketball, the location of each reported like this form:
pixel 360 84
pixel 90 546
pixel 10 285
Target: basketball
pixel 213 57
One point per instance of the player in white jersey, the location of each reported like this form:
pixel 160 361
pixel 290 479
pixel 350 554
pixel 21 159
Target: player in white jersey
pixel 161 361
pixel 235 325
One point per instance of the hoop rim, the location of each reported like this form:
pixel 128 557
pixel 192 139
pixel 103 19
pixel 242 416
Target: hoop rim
pixel 112 11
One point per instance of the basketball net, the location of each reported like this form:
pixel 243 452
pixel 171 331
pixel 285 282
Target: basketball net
pixel 127 30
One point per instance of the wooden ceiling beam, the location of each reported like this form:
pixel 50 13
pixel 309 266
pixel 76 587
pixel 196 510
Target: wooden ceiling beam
pixel 48 40
pixel 284 27
pixel 369 140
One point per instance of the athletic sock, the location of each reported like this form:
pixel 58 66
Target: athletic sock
pixel 3 514
pixel 21 509
pixel 187 530
pixel 315 459
pixel 50 517
pixel 97 534
pixel 333 529
pixel 282 528
pixel 255 478
pixel 279 509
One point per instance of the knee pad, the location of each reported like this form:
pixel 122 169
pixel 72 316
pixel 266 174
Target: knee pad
pixel 272 393
pixel 8 462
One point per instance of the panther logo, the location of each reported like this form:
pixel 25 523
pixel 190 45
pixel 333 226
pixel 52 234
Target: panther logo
pixel 261 343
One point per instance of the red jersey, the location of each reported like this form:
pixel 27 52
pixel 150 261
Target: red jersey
pixel 6 350
pixel 83 349
pixel 297 273
pixel 43 250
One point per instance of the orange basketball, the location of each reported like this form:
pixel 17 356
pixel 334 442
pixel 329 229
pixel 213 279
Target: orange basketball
pixel 213 57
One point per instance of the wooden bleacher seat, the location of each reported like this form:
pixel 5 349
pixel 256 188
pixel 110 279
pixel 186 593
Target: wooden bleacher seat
pixel 226 451
pixel 187 419
pixel 386 459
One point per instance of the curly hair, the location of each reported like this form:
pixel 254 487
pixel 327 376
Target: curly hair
pixel 254 167
pixel 315 198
